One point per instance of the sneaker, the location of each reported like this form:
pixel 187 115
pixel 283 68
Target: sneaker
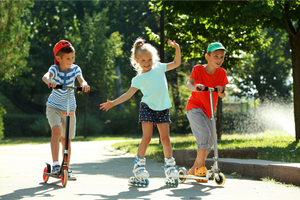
pixel 55 169
pixel 71 176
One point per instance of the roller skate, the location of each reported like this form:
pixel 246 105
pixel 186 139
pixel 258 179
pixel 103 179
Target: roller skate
pixel 171 172
pixel 140 173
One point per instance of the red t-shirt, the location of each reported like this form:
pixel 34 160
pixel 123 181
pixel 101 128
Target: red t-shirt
pixel 201 99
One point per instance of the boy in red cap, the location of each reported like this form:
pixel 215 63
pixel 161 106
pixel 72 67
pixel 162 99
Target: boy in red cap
pixel 63 72
pixel 198 108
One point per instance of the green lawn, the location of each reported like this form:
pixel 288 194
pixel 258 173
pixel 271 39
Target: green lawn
pixel 271 145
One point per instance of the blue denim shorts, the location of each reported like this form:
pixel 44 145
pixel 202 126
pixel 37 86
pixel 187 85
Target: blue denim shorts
pixel 153 116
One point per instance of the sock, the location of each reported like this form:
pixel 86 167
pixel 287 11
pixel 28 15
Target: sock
pixel 55 163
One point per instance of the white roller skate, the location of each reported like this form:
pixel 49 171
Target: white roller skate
pixel 140 173
pixel 171 172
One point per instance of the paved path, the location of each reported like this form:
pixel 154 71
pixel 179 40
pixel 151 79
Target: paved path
pixel 103 174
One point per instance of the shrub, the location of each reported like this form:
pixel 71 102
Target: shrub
pixel 41 127
pixel 94 126
pixel 2 111
pixel 18 125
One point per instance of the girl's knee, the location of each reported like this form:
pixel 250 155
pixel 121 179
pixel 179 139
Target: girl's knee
pixel 165 140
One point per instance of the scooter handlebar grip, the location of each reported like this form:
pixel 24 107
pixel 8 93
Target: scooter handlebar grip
pixel 57 86
pixel 206 88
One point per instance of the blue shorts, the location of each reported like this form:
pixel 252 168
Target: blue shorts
pixel 153 116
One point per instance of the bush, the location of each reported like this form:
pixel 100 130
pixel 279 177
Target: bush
pixel 2 111
pixel 94 126
pixel 18 125
pixel 41 127
pixel 121 123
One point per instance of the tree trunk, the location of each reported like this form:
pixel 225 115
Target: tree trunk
pixel 175 91
pixel 118 88
pixel 219 118
pixel 295 45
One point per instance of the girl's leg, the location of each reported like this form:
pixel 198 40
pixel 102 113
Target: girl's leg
pixel 147 135
pixel 69 149
pixel 164 130
pixel 55 136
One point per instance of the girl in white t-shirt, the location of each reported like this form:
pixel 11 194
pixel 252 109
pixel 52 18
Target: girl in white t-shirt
pixel 154 107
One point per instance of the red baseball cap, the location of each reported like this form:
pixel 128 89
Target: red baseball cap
pixel 58 46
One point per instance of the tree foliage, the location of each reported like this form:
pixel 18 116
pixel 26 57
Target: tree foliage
pixel 13 38
pixel 265 73
pixel 237 25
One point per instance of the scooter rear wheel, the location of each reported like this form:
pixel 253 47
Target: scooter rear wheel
pixel 64 178
pixel 182 171
pixel 45 177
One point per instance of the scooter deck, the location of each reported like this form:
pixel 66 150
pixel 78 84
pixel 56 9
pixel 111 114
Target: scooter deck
pixel 53 175
pixel 194 177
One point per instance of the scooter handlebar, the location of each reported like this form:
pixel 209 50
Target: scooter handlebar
pixel 207 88
pixel 65 87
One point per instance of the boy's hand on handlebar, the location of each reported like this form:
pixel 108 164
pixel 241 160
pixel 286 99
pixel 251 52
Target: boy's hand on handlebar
pixel 52 84
pixel 199 86
pixel 220 89
pixel 107 105
pixel 85 88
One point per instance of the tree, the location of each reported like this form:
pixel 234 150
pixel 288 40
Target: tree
pixel 51 21
pixel 13 38
pixel 264 74
pixel 237 25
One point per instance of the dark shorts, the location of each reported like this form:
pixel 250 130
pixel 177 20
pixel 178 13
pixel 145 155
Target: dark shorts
pixel 153 116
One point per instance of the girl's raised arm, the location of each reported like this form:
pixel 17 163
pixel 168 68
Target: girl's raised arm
pixel 177 59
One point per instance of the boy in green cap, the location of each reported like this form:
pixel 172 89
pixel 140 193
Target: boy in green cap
pixel 198 109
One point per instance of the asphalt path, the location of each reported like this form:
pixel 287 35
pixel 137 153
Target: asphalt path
pixel 104 174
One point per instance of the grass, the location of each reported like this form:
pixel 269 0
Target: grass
pixel 270 145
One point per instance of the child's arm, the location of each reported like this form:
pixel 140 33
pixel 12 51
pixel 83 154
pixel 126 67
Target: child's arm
pixel 83 84
pixel 47 79
pixel 192 87
pixel 124 97
pixel 177 59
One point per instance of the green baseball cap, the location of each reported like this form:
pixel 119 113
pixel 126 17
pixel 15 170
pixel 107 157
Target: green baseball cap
pixel 215 46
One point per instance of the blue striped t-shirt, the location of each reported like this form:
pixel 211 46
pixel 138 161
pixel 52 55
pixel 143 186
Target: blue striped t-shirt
pixel 58 98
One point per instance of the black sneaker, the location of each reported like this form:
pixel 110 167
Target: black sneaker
pixel 55 169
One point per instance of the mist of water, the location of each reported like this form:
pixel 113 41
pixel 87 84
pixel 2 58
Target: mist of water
pixel 276 116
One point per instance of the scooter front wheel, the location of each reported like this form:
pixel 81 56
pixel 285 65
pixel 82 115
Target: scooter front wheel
pixel 221 180
pixel 64 178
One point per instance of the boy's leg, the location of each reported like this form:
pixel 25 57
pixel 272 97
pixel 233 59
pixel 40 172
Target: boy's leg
pixel 200 160
pixel 200 125
pixel 55 136
pixel 164 130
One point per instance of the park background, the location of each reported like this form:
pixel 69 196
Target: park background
pixel 262 62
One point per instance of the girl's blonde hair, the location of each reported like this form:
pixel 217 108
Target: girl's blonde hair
pixel 140 47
